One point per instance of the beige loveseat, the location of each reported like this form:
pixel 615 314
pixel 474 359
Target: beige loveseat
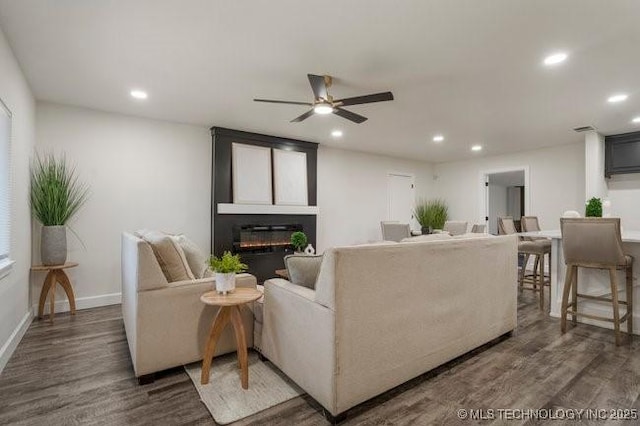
pixel 381 315
pixel 166 323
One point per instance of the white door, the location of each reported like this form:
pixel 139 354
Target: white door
pixel 401 198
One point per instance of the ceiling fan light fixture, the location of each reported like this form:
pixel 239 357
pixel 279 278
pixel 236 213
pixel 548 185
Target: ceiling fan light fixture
pixel 323 109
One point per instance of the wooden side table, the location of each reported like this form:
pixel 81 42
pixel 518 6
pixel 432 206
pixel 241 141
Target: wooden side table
pixel 229 304
pixel 55 275
pixel 282 273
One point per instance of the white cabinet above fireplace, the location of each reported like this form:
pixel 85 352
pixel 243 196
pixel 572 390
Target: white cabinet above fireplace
pixel 229 208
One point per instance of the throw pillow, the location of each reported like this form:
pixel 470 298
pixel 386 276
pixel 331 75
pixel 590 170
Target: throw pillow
pixel 170 256
pixel 196 258
pixel 303 269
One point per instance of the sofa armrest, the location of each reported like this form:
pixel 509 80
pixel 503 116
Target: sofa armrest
pixel 298 336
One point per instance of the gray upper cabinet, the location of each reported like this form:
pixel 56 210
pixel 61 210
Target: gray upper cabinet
pixel 622 154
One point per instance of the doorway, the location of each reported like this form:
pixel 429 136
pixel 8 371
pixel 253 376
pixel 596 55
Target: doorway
pixel 401 191
pixel 505 194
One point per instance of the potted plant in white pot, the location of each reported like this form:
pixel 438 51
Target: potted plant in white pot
pixel 56 196
pixel 226 267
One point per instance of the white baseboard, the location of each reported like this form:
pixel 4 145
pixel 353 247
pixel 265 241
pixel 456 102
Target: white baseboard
pixel 12 343
pixel 82 303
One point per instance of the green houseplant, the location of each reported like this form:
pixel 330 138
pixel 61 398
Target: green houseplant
pixel 226 267
pixel 298 240
pixel 594 208
pixel 56 196
pixel 431 214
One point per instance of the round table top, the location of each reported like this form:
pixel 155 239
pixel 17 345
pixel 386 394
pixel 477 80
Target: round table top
pixel 237 297
pixel 51 267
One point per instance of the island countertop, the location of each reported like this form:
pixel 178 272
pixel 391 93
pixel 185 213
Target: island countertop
pixel 627 236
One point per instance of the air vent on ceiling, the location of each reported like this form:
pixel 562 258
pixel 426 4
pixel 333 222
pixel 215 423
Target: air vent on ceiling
pixel 584 129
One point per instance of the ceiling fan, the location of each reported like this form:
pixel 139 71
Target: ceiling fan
pixel 324 103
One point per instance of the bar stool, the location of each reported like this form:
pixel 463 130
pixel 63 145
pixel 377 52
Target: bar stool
pixel 530 224
pixel 528 248
pixel 595 243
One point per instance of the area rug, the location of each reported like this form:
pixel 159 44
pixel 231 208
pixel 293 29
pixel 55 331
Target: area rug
pixel 227 401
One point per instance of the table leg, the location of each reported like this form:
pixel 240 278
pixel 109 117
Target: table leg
pixel 220 321
pixel 63 279
pixel 46 286
pixel 241 344
pixel 52 298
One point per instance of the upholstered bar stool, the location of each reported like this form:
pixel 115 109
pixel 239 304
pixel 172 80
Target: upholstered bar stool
pixel 530 224
pixel 595 243
pixel 527 249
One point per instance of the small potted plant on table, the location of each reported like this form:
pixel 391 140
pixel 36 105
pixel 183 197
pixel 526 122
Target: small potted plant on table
pixel 298 241
pixel 226 267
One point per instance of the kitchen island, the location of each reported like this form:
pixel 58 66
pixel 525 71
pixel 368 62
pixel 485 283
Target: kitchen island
pixel 590 281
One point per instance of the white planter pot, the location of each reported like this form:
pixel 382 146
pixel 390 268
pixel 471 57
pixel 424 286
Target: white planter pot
pixel 225 282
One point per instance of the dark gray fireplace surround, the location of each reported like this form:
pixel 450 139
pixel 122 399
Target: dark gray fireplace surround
pixel 260 239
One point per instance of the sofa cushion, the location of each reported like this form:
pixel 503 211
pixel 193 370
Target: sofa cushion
pixel 427 237
pixel 303 269
pixel 196 258
pixel 169 255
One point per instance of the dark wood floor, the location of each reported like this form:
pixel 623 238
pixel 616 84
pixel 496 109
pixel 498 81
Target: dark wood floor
pixel 78 371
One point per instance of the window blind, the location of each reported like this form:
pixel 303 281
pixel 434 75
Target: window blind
pixel 5 180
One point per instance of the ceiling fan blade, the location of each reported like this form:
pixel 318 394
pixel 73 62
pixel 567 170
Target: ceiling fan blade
pixel 303 116
pixel 318 86
pixel 366 99
pixel 349 115
pixel 271 101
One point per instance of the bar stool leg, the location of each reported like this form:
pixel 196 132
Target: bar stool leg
pixel 541 281
pixel 629 271
pixel 574 295
pixel 522 272
pixel 614 300
pixel 568 282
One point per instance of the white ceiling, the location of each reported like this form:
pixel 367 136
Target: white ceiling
pixel 471 70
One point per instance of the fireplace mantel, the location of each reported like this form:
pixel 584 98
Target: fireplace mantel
pixel 230 208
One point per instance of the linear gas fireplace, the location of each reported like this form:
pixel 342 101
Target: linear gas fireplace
pixel 263 238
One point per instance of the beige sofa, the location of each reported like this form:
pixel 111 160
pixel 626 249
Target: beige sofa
pixel 166 323
pixel 381 315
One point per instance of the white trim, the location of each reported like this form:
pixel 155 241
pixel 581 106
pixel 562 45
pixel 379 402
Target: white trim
pixel 228 208
pixel 82 303
pixel 6 265
pixel 12 342
pixel 484 207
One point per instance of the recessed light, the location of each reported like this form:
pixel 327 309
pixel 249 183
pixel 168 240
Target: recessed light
pixel 618 98
pixel 636 120
pixel 139 94
pixel 476 148
pixel 555 59
pixel 336 133
pixel 438 138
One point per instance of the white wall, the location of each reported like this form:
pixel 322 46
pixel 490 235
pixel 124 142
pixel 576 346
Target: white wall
pixel 595 185
pixel 142 174
pixel 14 288
pixel 352 194
pixel 556 182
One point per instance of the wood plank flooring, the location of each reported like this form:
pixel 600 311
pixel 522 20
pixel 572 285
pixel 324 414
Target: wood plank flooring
pixel 78 371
